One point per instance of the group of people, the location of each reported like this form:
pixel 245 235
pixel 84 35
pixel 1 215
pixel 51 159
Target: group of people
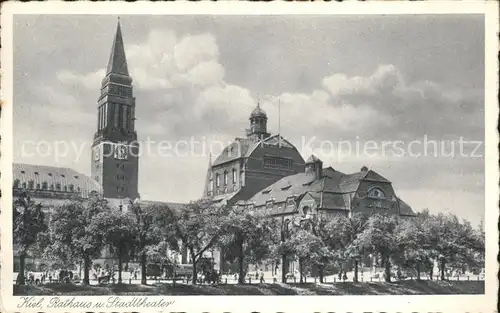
pixel 259 276
pixel 60 276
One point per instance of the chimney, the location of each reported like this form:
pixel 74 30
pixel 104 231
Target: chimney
pixel 314 165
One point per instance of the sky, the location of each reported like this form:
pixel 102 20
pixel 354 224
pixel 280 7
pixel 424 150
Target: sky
pixel 408 87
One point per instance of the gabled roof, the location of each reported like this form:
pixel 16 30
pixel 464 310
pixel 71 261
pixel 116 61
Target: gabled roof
pixel 405 209
pixel 117 61
pixel 313 159
pixel 282 189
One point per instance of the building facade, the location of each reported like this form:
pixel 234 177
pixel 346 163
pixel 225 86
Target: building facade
pixel 259 171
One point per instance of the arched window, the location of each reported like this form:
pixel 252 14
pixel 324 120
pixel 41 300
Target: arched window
pixel 217 180
pixel 65 188
pixel 376 193
pixel 71 187
pixel 24 185
pixel 16 183
pixel 58 186
pixel 234 176
pixel 225 178
pixel 51 186
pixel 44 185
pixel 306 210
pixel 31 184
pixel 38 186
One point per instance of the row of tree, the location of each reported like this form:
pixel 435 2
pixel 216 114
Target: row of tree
pixel 81 229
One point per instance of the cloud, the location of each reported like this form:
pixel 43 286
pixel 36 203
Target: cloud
pixel 90 80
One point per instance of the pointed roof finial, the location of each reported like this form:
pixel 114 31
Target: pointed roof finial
pixel 117 61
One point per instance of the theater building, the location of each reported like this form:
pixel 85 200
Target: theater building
pixel 258 171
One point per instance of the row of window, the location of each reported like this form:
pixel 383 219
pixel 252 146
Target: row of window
pixel 121 115
pixel 234 173
pixel 45 186
pixel 277 162
pixel 50 174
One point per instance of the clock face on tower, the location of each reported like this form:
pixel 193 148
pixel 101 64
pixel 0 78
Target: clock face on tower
pixel 121 152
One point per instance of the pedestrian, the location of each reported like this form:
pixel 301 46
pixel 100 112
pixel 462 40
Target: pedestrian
pixel 256 275
pixel 262 277
pixel 344 277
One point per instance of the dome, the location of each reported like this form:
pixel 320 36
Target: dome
pixel 258 112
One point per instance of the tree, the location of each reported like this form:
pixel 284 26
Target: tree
pixel 379 235
pixel 118 230
pixel 72 236
pixel 198 225
pixel 308 248
pixel 339 233
pixel 250 234
pixel 450 241
pixel 413 250
pixel 154 234
pixel 28 222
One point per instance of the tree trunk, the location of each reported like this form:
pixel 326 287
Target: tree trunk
pixel 193 280
pixel 143 269
pixel 431 272
pixel 356 271
pixel 283 268
pixel 418 271
pixel 443 264
pixel 387 270
pixel 120 265
pixel 241 256
pixel 21 279
pixel 300 271
pixel 86 270
pixel 320 273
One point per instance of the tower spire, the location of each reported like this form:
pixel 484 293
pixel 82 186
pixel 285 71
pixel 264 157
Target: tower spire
pixel 117 61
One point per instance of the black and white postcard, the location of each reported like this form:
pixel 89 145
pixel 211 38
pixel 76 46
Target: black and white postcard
pixel 152 153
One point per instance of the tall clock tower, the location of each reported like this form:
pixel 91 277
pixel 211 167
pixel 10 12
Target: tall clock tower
pixel 115 150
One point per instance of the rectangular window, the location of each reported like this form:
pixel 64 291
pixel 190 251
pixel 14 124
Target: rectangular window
pixel 58 187
pixel 105 115
pixel 277 162
pixel 225 178
pixel 234 176
pixel 44 185
pixel 242 179
pixel 124 116
pixel 115 112
pixel 217 180
pixel 31 184
pixel 99 118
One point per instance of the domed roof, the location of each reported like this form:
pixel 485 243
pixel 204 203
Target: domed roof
pixel 54 179
pixel 258 112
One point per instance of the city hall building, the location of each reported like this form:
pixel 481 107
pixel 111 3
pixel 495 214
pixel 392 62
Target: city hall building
pixel 258 171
